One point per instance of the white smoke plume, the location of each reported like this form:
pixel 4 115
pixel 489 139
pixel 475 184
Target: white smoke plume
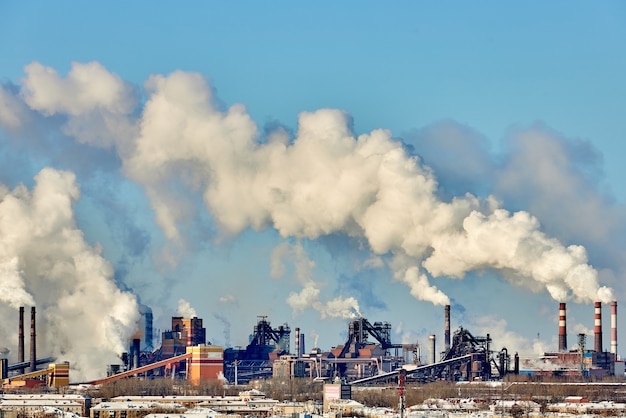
pixel 309 297
pixel 314 336
pixel 96 102
pixel 185 310
pixel 226 324
pixel 83 317
pixel 326 180
pixel 329 181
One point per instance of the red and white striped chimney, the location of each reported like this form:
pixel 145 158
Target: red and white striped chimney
pixel 614 327
pixel 562 328
pixel 597 347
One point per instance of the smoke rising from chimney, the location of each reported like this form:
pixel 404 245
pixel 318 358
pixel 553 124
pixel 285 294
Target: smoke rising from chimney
pixel 226 323
pixel 82 316
pixel 323 181
pixel 310 295
pixel 185 310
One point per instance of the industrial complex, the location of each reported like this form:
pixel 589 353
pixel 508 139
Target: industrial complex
pixel 367 356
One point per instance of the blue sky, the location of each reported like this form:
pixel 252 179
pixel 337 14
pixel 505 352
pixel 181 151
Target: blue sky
pixel 522 101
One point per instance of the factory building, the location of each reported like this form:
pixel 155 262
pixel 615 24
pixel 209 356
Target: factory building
pixel 146 328
pixel 206 363
pixel 185 332
pixel 366 356
pixel 266 346
pixel 581 361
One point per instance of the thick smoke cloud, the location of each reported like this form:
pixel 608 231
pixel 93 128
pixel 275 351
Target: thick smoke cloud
pixel 179 143
pixel 45 262
pixel 326 180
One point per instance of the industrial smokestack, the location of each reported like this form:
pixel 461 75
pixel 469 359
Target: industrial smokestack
pixel 562 328
pixel 446 333
pixel 136 350
pixel 598 328
pixel 302 348
pixel 433 347
pixel 4 373
pixel 297 338
pixel 33 343
pixel 614 328
pixel 20 339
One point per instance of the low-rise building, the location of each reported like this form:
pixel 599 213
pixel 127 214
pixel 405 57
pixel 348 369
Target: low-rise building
pixel 195 413
pixel 133 409
pixel 51 399
pixel 32 407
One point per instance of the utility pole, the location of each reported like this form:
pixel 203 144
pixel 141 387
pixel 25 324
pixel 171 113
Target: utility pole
pixel 401 404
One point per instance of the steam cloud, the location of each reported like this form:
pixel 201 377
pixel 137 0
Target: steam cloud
pixel 325 180
pixel 309 297
pixel 45 262
pixel 185 310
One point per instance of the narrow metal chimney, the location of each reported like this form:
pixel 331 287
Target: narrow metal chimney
pixel 302 346
pixel 136 351
pixel 562 328
pixel 297 341
pixel 446 330
pixel 597 347
pixel 433 348
pixel 33 343
pixel 20 339
pixel 614 328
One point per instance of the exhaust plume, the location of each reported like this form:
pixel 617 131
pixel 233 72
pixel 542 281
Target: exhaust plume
pixel 325 180
pixel 185 310
pixel 310 296
pixel 83 317
pixel 226 324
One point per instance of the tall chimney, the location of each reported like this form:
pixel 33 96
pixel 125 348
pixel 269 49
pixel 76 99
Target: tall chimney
pixel 433 347
pixel 33 344
pixel 20 339
pixel 135 352
pixel 446 331
pixel 597 347
pixel 562 328
pixel 614 328
pixel 297 341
